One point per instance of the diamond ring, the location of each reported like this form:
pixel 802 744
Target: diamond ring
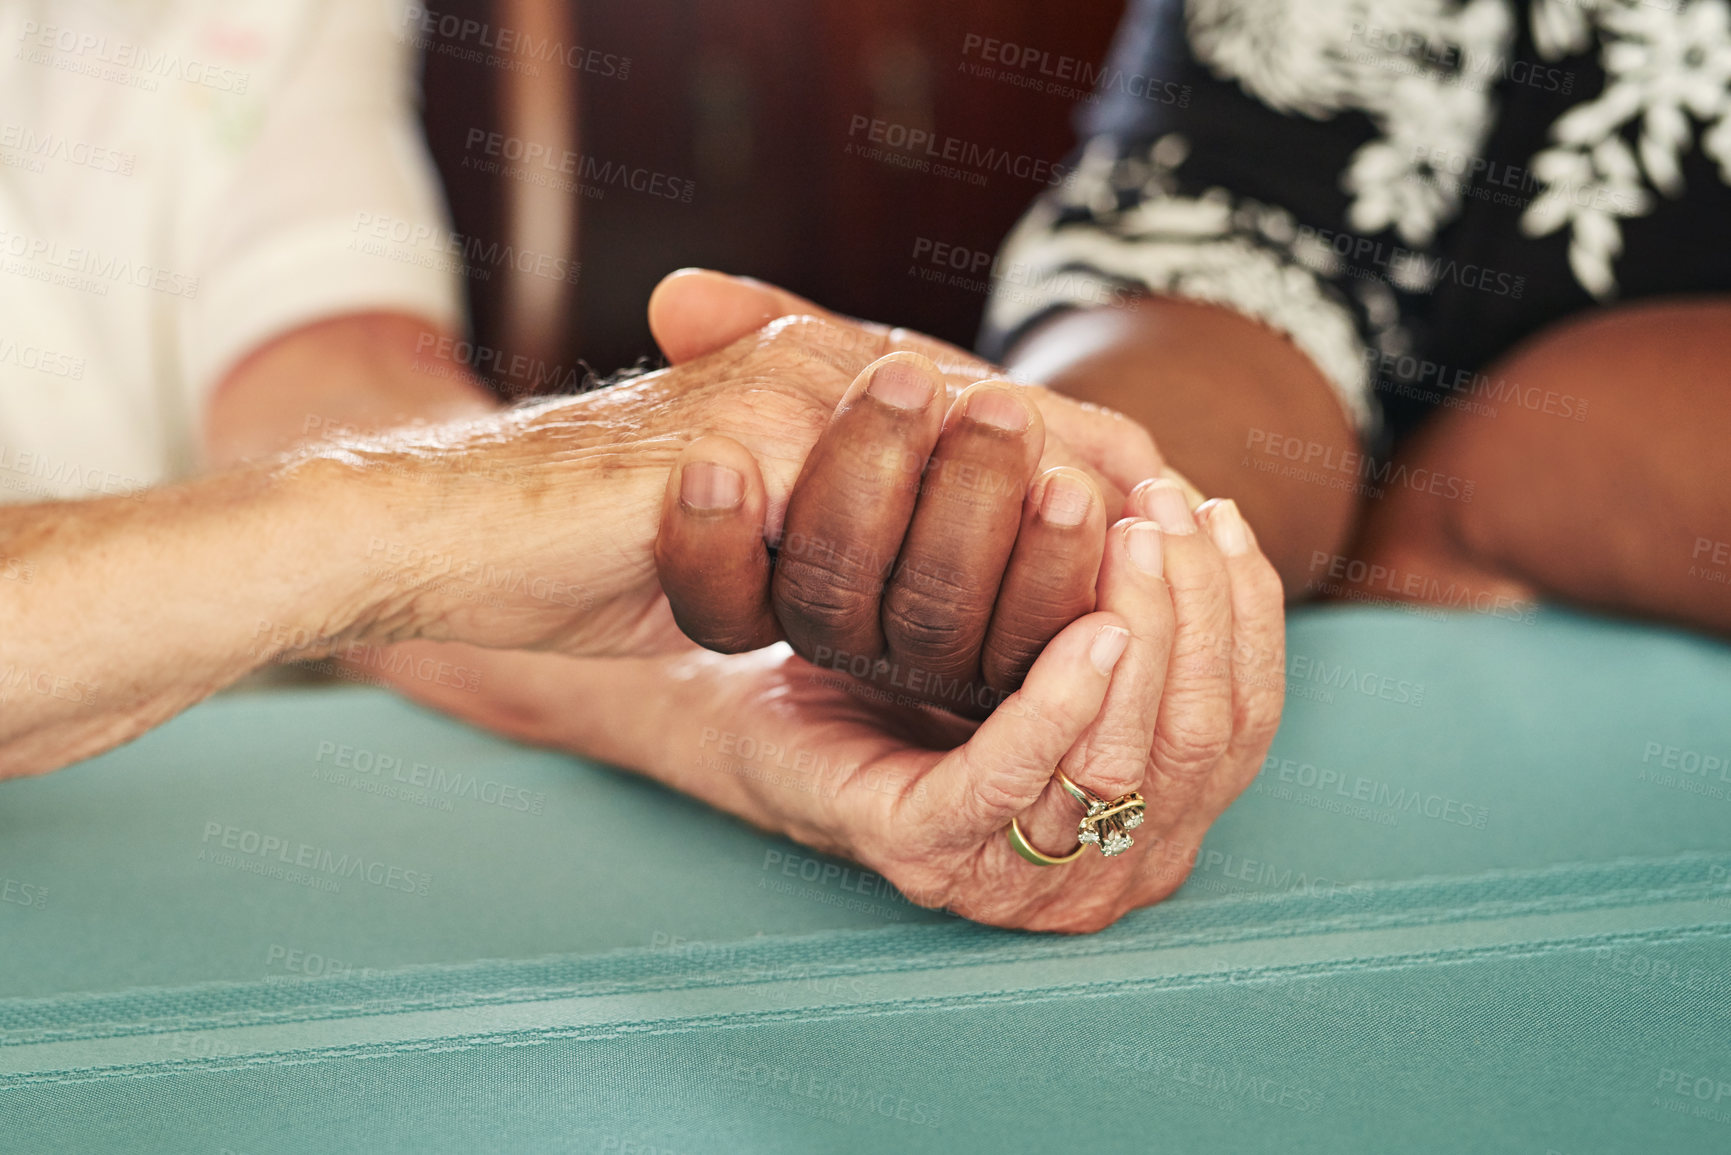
pixel 1105 824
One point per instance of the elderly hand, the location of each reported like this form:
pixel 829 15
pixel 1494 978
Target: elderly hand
pixel 955 613
pixel 1173 689
pixel 932 587
pixel 563 493
pixel 1185 716
pixel 920 550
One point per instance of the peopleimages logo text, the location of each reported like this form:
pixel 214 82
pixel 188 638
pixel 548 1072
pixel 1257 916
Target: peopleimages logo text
pixel 1059 72
pixel 954 150
pixel 315 859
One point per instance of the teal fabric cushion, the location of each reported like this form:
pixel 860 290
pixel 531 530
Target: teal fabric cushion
pixel 1479 899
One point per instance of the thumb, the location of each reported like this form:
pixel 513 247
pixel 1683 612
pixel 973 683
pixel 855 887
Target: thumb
pixel 710 554
pixel 974 791
pixel 697 311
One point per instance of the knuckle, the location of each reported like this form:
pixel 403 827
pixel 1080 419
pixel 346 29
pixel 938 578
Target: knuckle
pixel 1139 436
pixel 1018 642
pixel 919 575
pixel 1202 663
pixel 1157 621
pixel 734 638
pixel 1026 630
pixel 1053 723
pixel 989 911
pixel 1006 662
pixel 991 797
pixel 1188 746
pixel 1261 708
pixel 801 329
pixel 820 598
pixel 926 625
pixel 1261 724
pixel 1040 602
pixel 843 345
pixel 1199 586
pixel 1111 762
pixel 821 545
pixel 1260 674
pixel 766 394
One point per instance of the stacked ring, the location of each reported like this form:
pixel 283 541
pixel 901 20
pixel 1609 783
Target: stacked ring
pixel 1105 824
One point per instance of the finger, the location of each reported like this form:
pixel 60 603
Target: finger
pixel 1132 504
pixel 972 793
pixel 1258 654
pixel 1121 449
pixel 1194 725
pixel 1059 455
pixel 849 511
pixel 710 554
pixel 937 606
pixel 1111 759
pixel 1192 496
pixel 1050 579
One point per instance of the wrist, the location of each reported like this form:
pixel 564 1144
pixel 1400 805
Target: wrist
pixel 337 513
pixel 509 532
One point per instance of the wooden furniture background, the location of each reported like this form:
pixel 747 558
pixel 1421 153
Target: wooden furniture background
pixel 752 101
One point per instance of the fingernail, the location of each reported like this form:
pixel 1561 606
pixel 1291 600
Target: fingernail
pixel 1108 647
pixel 1164 502
pixel 709 488
pixel 1142 542
pixel 1066 500
pixel 1226 526
pixel 900 386
pixel 998 408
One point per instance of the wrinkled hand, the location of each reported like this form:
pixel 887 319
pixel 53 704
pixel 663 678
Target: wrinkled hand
pixel 564 493
pixel 1185 715
pixel 911 583
pixel 534 527
pixel 920 551
pixel 948 602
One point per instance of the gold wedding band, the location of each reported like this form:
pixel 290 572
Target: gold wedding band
pixel 1104 824
pixel 1028 851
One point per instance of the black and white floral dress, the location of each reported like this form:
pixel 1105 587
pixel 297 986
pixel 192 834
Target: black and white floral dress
pixel 1406 188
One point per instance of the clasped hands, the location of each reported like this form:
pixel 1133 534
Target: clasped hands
pixel 931 554
pixel 941 537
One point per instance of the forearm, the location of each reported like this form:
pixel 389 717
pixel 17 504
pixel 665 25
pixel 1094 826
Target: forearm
pixel 1606 484
pixel 137 607
pixel 1214 388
